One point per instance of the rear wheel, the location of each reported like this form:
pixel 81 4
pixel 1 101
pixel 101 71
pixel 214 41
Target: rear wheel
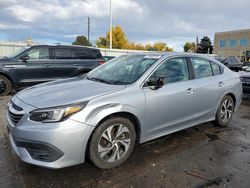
pixel 112 142
pixel 5 86
pixel 225 111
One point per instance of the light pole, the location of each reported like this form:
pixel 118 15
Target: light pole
pixel 88 28
pixel 110 25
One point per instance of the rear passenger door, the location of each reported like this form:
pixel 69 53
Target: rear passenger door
pixel 208 87
pixel 63 65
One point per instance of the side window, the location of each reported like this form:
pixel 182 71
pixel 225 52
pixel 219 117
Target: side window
pixel 173 70
pixel 216 68
pixel 79 54
pixel 38 53
pixel 61 53
pixel 202 68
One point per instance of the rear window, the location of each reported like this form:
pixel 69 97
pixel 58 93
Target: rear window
pixel 202 68
pixel 216 69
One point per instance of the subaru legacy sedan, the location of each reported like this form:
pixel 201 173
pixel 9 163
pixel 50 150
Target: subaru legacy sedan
pixel 131 99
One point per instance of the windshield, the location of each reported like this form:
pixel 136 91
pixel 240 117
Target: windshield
pixel 123 70
pixel 17 52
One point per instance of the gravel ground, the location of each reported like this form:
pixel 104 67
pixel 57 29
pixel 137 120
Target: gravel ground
pixel 201 156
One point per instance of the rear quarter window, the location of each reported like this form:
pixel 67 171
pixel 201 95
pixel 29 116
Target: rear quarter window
pixel 86 54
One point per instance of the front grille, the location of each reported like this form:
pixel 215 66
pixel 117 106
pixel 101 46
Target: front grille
pixel 245 81
pixel 14 118
pixel 15 113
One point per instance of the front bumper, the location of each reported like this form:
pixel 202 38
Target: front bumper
pixel 51 145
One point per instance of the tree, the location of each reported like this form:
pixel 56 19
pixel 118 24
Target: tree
pixel 159 46
pixel 119 40
pixel 205 46
pixel 102 42
pixel 189 47
pixel 81 40
pixel 135 46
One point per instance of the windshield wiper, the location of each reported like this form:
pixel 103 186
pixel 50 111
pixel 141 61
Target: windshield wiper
pixel 98 80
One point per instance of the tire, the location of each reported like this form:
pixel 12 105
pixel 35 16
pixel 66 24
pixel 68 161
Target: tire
pixel 5 86
pixel 107 152
pixel 225 111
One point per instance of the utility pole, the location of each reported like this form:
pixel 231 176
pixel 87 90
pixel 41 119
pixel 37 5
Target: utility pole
pixel 110 25
pixel 88 28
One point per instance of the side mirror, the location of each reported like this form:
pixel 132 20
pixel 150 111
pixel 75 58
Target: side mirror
pixel 24 58
pixel 156 84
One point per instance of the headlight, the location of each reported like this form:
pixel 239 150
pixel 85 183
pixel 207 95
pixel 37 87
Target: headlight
pixel 56 114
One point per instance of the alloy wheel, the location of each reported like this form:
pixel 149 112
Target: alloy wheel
pixel 226 110
pixel 114 143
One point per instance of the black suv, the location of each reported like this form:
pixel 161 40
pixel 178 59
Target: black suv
pixel 42 63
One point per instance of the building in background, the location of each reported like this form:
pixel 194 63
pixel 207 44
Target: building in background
pixel 232 43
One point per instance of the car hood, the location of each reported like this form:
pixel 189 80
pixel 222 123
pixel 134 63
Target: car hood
pixel 63 92
pixel 6 61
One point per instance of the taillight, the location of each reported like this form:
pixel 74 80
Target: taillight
pixel 101 62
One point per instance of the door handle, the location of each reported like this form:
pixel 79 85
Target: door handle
pixel 190 91
pixel 76 65
pixel 47 65
pixel 221 84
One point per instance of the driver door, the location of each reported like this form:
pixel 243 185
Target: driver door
pixel 169 108
pixel 34 69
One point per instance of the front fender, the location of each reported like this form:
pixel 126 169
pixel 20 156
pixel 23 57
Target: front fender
pixel 96 114
pixel 99 113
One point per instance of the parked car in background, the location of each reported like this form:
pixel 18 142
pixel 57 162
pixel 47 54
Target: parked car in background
pixel 41 63
pixel 131 99
pixel 233 63
pixel 218 58
pixel 245 78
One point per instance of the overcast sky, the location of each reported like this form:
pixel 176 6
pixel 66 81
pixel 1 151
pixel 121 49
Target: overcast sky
pixel 170 21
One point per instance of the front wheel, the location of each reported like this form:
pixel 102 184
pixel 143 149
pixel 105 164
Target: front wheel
pixel 5 86
pixel 112 142
pixel 225 111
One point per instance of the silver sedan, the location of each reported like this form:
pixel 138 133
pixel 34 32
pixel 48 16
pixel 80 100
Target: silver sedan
pixel 131 99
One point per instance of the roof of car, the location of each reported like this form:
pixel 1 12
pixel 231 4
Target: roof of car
pixel 62 46
pixel 168 54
